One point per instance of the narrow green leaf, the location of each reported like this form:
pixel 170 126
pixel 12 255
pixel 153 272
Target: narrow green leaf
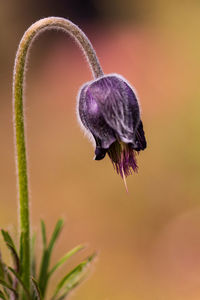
pixel 7 238
pixel 13 282
pixel 33 259
pixel 8 276
pixel 44 271
pixel 9 287
pixel 67 291
pixel 65 258
pixel 4 275
pixel 43 230
pixel 21 282
pixel 2 296
pixel 15 257
pixel 73 278
pixel 56 232
pixel 36 289
pixel 2 269
pixel 44 267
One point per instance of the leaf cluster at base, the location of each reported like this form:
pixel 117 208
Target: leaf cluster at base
pixel 11 284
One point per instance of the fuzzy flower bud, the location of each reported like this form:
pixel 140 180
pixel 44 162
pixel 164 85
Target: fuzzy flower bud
pixel 108 108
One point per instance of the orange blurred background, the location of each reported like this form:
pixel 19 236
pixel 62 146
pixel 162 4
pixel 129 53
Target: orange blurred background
pixel 149 239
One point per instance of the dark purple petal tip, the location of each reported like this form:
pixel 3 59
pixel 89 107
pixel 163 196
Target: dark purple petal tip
pixel 100 153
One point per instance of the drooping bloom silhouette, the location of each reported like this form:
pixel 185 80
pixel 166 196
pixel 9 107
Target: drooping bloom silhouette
pixel 108 108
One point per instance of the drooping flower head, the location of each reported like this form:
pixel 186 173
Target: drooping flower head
pixel 108 108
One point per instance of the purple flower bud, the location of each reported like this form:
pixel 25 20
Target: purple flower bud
pixel 109 110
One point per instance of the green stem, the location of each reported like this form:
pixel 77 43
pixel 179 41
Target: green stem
pixel 18 92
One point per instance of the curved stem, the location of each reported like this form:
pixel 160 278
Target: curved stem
pixel 18 90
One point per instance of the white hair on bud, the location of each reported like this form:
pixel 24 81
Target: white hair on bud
pixel 86 132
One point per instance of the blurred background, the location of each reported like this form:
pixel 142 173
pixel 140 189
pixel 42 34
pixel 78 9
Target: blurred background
pixel 149 239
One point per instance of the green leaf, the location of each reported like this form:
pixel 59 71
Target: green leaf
pixel 44 268
pixel 4 275
pixel 2 269
pixel 56 232
pixel 65 258
pixel 72 279
pixel 21 282
pixel 36 289
pixel 2 296
pixel 7 238
pixel 15 257
pixel 16 260
pixel 44 271
pixel 8 276
pixel 33 259
pixel 43 230
pixel 9 287
pixel 11 246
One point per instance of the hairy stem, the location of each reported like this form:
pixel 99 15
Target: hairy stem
pixel 18 91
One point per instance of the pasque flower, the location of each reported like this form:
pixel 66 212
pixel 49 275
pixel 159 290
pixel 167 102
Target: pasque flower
pixel 108 108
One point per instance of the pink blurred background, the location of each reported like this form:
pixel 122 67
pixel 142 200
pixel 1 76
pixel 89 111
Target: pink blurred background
pixel 149 239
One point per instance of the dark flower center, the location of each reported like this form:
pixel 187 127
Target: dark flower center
pixel 123 158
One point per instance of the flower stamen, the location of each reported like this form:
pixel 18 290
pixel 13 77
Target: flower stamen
pixel 124 179
pixel 123 158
